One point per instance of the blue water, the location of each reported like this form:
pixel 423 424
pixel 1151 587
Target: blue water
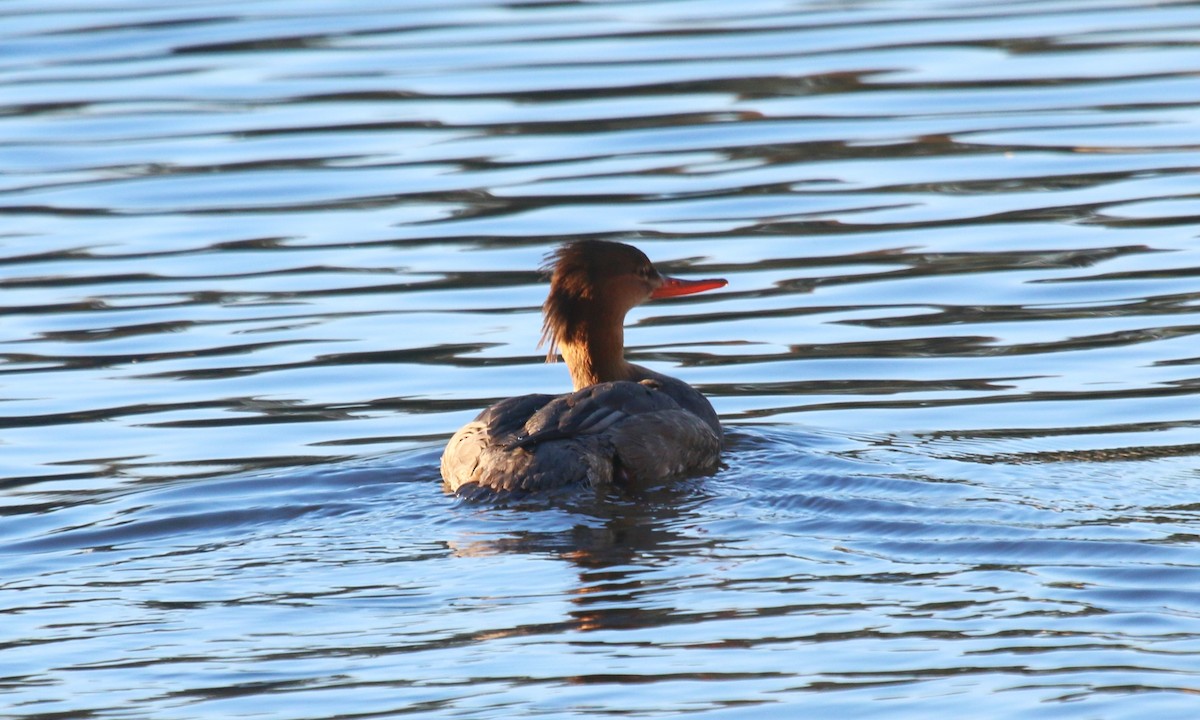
pixel 259 260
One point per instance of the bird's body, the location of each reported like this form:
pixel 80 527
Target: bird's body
pixel 623 423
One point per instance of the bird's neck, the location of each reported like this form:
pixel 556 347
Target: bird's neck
pixel 596 354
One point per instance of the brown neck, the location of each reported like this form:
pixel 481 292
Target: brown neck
pixel 596 354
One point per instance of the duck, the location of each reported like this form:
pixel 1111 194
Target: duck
pixel 623 425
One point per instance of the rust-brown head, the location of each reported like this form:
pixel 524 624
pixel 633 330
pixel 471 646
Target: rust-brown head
pixel 593 283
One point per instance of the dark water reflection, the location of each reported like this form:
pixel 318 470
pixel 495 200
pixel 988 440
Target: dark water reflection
pixel 258 261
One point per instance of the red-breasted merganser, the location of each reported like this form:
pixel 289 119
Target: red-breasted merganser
pixel 624 424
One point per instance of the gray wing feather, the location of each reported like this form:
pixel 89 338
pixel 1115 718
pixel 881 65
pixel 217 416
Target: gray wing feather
pixel 628 431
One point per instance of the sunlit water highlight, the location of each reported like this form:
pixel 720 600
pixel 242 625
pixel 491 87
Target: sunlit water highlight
pixel 260 259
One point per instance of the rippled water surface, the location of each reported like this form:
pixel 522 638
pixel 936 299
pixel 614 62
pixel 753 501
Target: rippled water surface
pixel 260 259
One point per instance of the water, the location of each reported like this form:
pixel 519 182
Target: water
pixel 261 259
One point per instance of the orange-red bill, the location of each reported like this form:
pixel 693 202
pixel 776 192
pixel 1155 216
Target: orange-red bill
pixel 674 287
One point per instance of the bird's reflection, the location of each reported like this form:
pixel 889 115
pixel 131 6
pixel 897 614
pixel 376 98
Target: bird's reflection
pixel 615 546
